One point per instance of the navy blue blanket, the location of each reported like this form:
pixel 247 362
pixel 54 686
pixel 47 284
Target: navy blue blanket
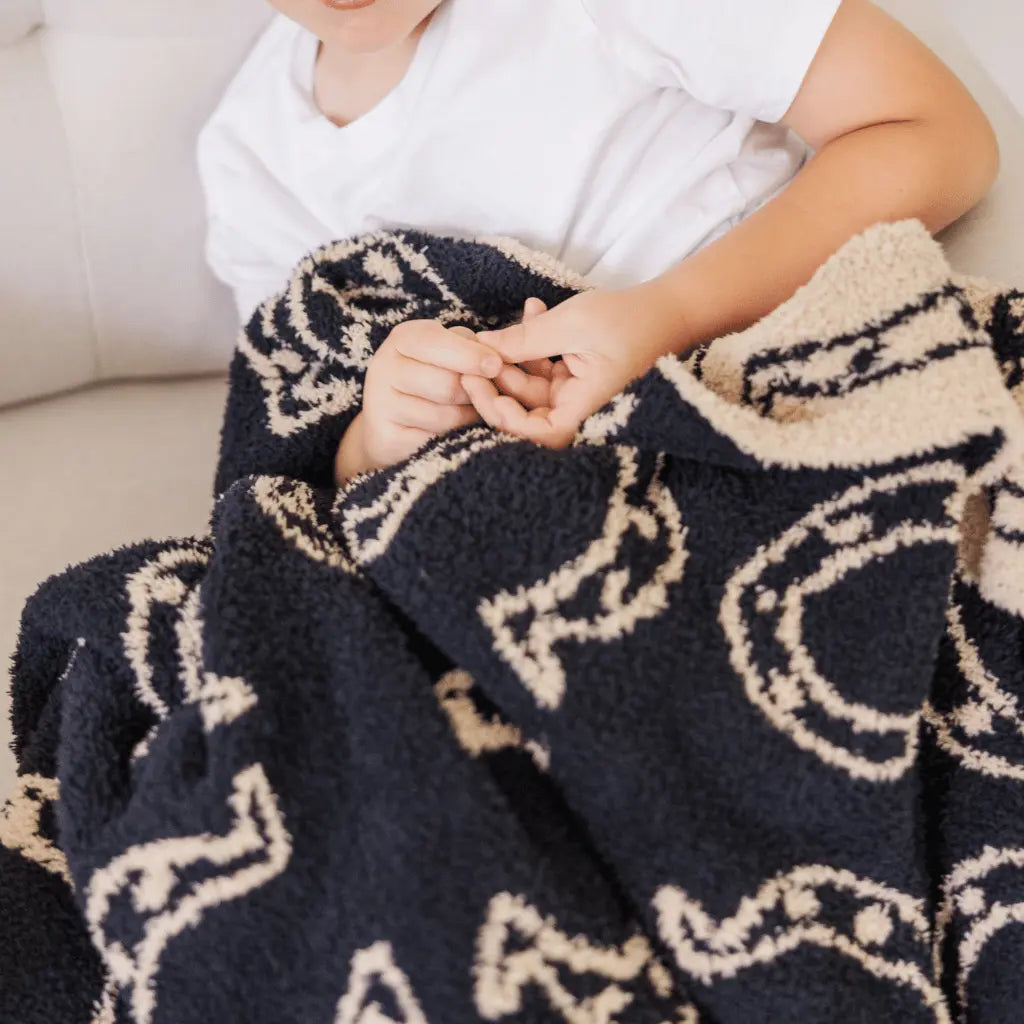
pixel 714 716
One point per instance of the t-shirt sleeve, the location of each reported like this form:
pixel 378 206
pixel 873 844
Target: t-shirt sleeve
pixel 232 251
pixel 750 56
pixel 250 280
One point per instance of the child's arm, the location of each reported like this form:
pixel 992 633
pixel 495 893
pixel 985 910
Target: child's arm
pixel 898 136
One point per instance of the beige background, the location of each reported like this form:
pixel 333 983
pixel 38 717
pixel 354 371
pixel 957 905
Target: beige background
pixel 994 30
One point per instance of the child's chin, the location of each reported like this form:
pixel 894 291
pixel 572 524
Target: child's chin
pixel 380 26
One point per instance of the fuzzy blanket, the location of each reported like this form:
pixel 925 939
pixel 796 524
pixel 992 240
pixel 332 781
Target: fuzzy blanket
pixel 715 716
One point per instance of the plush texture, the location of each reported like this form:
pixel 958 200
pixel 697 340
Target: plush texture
pixel 712 717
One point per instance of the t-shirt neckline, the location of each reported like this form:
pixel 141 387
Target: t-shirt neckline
pixel 385 119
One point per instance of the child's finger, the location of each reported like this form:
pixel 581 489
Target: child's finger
pixel 544 426
pixel 551 427
pixel 559 375
pixel 482 393
pixel 516 344
pixel 430 382
pixel 411 411
pixel 448 349
pixel 533 307
pixel 526 388
pixel 539 367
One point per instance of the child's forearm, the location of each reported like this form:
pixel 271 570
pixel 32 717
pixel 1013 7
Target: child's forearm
pixel 886 172
pixel 351 459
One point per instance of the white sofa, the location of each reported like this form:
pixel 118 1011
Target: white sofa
pixel 102 277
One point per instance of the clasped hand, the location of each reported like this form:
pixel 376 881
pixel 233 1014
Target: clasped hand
pixel 605 339
pixel 427 379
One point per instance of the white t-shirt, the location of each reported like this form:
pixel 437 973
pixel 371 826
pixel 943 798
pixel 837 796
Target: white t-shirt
pixel 619 136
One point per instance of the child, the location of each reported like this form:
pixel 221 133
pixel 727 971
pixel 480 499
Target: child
pixel 645 143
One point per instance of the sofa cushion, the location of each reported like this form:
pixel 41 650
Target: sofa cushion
pixel 47 340
pixel 18 18
pixel 131 131
pixel 102 272
pixel 180 19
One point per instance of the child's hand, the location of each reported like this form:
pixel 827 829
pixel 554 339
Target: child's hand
pixel 605 338
pixel 413 391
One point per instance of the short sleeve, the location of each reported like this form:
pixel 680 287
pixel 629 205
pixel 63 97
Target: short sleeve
pixel 250 280
pixel 232 250
pixel 750 56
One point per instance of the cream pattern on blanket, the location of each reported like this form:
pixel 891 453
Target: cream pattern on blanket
pixel 715 716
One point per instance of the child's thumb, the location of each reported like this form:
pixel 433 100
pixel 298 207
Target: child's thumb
pixel 525 341
pixel 533 307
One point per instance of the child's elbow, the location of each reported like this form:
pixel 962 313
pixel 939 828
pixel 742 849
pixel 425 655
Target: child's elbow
pixel 978 148
pixel 989 157
pixel 961 162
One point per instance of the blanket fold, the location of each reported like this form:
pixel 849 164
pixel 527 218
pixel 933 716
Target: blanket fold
pixel 714 716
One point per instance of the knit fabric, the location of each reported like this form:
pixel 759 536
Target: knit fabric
pixel 715 716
